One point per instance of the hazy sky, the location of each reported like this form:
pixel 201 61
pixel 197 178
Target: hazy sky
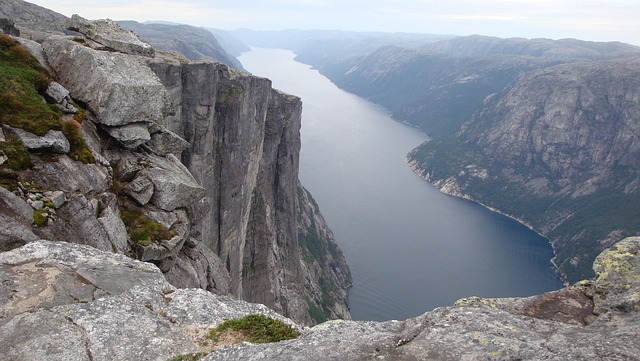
pixel 597 20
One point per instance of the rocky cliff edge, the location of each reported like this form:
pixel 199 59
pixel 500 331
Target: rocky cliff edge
pixel 63 301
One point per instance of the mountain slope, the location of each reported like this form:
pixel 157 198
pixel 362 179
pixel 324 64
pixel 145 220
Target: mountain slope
pixel 192 42
pixel 538 129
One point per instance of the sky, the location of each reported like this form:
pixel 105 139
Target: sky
pixel 596 20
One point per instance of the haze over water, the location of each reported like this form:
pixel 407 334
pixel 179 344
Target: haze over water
pixel 410 248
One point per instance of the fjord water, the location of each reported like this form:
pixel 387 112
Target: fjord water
pixel 410 247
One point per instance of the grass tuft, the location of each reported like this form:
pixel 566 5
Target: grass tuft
pixel 255 328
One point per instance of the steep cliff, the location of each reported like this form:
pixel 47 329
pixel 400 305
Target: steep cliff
pixel 195 168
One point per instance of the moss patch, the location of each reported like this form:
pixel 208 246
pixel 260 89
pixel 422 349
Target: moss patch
pixel 39 217
pixel 143 230
pixel 79 149
pixel 254 328
pixel 23 81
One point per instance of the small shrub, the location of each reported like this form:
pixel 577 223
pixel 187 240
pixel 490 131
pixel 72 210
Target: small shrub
pixel 143 230
pixel 19 157
pixel 255 328
pixel 79 149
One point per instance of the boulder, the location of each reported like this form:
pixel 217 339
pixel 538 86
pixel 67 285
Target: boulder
pixel 60 96
pixel 118 88
pixel 8 26
pixel 163 141
pixel 35 49
pixel 130 136
pixel 173 183
pixel 109 34
pixel 140 190
pixel 54 141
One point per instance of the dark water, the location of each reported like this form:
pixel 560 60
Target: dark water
pixel 410 247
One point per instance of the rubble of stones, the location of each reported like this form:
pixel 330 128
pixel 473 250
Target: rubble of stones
pixel 46 201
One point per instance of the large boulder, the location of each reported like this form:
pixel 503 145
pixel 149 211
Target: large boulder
pixel 54 141
pixel 109 34
pixel 118 88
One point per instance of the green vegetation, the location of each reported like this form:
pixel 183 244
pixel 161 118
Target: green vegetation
pixel 39 217
pixel 19 159
pixel 189 357
pixel 79 150
pixel 23 82
pixel 255 328
pixel 143 230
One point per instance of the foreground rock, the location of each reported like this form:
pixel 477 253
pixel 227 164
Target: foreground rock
pixel 544 327
pixel 61 301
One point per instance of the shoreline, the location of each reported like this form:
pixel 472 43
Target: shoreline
pixel 417 171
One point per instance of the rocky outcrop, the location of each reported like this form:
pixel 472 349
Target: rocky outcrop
pixel 110 35
pixel 62 301
pixel 82 303
pixel 249 172
pixel 54 141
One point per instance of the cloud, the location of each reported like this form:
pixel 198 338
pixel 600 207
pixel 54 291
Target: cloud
pixel 586 19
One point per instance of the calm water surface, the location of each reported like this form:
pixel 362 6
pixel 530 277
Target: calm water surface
pixel 410 247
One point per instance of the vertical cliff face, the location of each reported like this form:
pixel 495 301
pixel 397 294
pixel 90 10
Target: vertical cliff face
pixel 244 147
pixel 196 170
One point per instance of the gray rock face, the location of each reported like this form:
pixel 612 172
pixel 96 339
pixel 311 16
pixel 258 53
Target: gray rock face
pixel 84 304
pixel 111 307
pixel 486 329
pixel 70 176
pixel 244 146
pixel 54 141
pixel 9 27
pixel 112 36
pixel 119 89
pixel 16 217
pixel 29 15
